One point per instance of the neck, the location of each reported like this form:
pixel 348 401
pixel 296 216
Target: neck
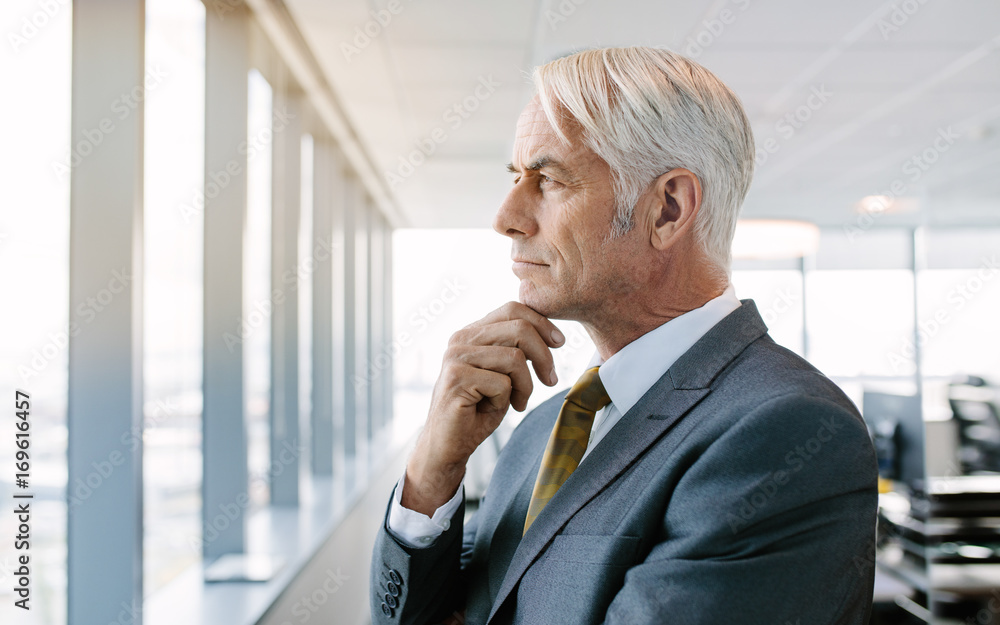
pixel 625 319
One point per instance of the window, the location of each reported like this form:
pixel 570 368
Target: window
pixel 957 321
pixel 778 295
pixel 172 327
pixel 859 322
pixel 255 330
pixel 34 257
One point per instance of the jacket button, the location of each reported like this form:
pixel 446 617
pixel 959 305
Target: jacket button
pixel 393 589
pixel 390 600
pixel 394 576
pixel 386 610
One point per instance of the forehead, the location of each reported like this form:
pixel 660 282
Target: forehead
pixel 536 137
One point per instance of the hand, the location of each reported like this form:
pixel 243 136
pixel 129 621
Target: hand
pixel 485 372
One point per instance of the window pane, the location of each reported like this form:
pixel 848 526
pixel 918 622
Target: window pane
pixel 861 322
pixel 444 280
pixel 778 295
pixel 958 330
pixel 878 248
pixel 962 248
pixel 465 266
pixel 172 326
pixel 306 266
pixel 34 280
pixel 255 329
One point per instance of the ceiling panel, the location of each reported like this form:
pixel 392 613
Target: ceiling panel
pixel 459 22
pixel 895 80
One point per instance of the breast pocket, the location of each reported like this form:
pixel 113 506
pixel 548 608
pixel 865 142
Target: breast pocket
pixel 575 579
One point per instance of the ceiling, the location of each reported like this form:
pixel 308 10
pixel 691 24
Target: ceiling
pixel 896 78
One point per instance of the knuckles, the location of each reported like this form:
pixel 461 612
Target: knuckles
pixel 451 373
pixel 459 338
pixel 510 309
pixel 506 387
pixel 522 326
pixel 453 353
pixel 519 357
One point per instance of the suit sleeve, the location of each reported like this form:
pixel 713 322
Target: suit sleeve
pixel 773 523
pixel 429 582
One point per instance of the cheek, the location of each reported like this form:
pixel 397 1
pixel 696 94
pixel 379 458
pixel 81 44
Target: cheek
pixel 619 262
pixel 578 227
pixel 577 241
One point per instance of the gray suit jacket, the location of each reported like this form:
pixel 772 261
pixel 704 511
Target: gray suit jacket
pixel 741 488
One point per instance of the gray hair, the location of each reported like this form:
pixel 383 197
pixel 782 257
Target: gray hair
pixel 646 111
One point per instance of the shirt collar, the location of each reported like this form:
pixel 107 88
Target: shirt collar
pixel 633 370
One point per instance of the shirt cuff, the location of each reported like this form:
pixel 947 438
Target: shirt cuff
pixel 417 530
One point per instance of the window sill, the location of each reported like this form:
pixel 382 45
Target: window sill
pixel 295 533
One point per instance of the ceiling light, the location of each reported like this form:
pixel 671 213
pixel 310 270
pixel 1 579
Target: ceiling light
pixel 877 204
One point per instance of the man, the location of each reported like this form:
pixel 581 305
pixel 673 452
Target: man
pixel 701 473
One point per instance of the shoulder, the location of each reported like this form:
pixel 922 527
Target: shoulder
pixel 769 411
pixel 768 372
pixel 774 418
pixel 775 395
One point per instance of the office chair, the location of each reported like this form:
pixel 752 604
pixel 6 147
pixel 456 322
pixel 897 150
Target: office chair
pixel 973 404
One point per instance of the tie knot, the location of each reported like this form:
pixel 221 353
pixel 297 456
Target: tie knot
pixel 588 392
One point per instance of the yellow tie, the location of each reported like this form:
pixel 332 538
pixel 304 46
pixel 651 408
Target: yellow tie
pixel 568 440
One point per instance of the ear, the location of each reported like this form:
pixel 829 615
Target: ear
pixel 675 201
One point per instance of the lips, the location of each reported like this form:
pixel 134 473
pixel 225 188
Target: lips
pixel 524 260
pixel 522 267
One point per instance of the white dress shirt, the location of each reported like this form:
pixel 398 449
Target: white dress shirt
pixel 626 376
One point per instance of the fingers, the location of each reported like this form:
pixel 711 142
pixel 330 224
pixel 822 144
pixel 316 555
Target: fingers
pixel 518 334
pixel 482 388
pixel 512 311
pixel 485 372
pixel 508 360
pixel 487 362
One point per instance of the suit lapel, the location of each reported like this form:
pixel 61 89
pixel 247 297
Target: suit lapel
pixel 507 534
pixel 632 435
pixel 677 392
pixel 510 484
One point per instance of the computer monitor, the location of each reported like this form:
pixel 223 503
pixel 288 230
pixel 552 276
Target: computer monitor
pixel 896 424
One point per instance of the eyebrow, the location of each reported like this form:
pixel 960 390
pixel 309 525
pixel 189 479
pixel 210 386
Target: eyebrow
pixel 542 162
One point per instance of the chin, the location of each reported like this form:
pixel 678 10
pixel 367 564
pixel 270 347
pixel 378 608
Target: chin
pixel 545 304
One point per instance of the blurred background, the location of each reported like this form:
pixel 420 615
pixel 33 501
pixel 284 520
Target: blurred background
pixel 236 236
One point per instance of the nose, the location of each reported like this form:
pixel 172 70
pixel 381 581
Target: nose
pixel 516 215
